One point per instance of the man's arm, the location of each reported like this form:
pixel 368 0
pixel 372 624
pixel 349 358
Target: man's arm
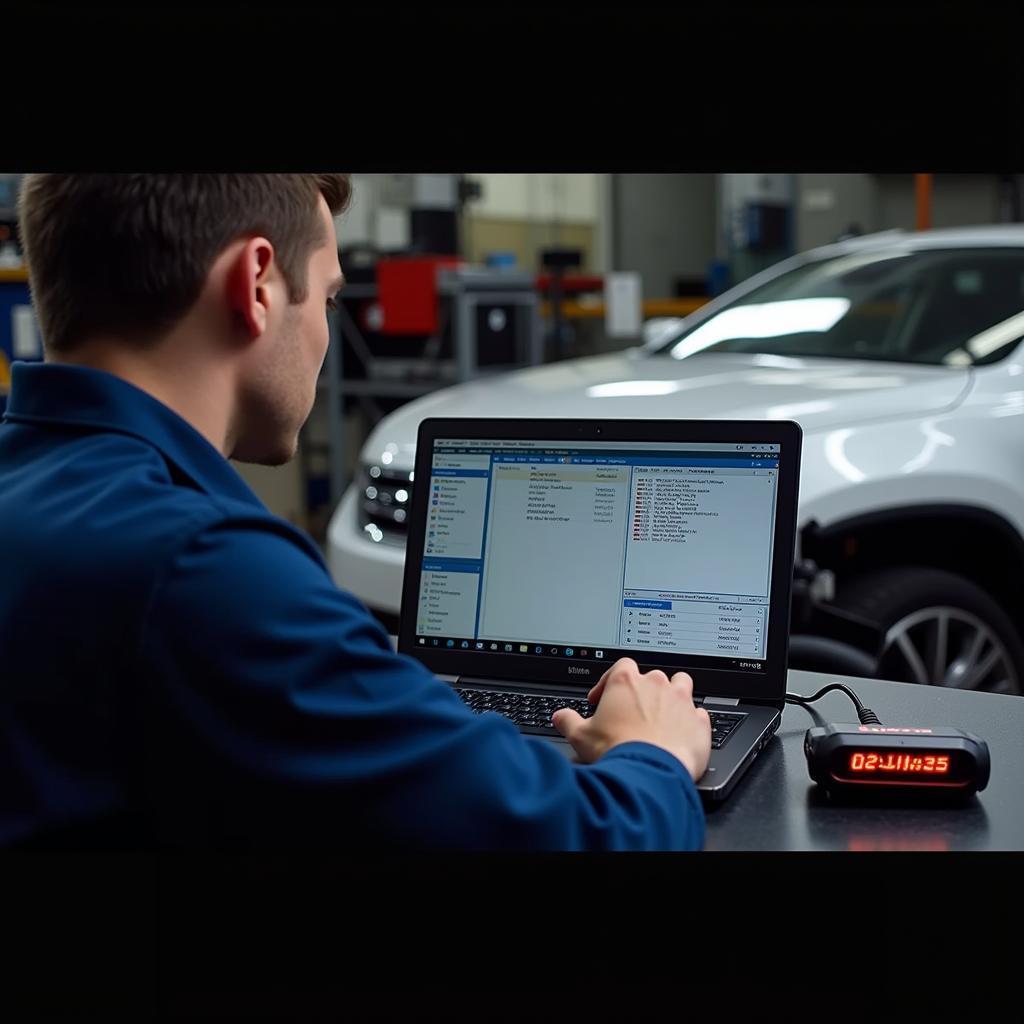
pixel 280 715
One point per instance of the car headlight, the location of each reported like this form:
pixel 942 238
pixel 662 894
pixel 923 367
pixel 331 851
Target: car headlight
pixel 385 503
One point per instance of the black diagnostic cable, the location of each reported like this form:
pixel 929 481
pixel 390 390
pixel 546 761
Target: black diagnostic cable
pixel 866 715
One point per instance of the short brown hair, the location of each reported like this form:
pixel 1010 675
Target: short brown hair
pixel 127 254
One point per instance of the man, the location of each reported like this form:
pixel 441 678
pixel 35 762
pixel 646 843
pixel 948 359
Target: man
pixel 178 666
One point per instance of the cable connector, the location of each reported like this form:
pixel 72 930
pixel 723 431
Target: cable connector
pixel 866 715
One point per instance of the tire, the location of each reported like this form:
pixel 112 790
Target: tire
pixel 940 629
pixel 811 653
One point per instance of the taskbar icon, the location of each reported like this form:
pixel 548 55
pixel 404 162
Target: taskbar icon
pixel 503 647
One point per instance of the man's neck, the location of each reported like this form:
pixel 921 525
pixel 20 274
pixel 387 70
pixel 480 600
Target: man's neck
pixel 198 390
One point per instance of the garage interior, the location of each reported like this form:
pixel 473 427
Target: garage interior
pixel 459 278
pixel 585 294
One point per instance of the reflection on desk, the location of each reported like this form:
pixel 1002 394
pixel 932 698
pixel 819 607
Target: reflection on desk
pixel 895 829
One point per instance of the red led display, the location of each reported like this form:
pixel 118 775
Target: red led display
pixel 887 762
pixel 903 762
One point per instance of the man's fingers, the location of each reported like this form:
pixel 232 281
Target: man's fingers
pixel 568 722
pixel 683 680
pixel 598 688
pixel 623 664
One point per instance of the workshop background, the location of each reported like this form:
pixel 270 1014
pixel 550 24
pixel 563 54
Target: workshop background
pixel 554 236
pixel 459 278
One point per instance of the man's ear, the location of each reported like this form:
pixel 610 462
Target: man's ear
pixel 248 280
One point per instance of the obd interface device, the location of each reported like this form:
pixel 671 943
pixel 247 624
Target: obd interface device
pixel 897 761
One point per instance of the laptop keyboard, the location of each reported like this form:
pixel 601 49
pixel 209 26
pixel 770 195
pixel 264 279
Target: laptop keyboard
pixel 722 725
pixel 532 712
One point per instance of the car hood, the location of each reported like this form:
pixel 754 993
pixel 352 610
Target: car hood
pixel 820 394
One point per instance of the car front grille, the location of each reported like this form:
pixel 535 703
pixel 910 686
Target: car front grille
pixel 385 503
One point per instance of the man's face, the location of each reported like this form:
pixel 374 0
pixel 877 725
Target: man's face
pixel 281 387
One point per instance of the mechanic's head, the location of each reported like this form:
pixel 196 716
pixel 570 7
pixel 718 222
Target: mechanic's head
pixel 239 267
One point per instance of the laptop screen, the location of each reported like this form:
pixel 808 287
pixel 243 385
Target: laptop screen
pixel 593 550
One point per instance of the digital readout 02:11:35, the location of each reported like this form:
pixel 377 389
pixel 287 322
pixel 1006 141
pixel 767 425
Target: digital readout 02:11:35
pixel 937 764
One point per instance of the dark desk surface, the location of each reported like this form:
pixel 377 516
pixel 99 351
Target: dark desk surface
pixel 777 807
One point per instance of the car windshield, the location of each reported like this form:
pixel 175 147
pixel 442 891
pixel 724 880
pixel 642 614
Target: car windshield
pixel 952 307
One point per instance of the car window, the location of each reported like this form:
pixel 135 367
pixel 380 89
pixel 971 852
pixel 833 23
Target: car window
pixel 940 307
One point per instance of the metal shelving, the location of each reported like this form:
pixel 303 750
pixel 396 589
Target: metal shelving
pixel 464 290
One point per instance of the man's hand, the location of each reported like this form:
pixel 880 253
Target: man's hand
pixel 635 706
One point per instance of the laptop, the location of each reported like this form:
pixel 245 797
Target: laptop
pixel 542 550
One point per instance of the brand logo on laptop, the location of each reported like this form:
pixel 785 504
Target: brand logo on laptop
pixel 576 671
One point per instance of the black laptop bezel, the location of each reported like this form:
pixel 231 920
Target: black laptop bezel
pixel 766 687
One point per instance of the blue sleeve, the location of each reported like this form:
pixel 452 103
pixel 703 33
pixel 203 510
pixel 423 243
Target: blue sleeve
pixel 280 714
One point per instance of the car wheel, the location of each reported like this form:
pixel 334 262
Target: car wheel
pixel 940 629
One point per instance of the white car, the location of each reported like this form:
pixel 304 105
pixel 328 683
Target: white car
pixel 900 355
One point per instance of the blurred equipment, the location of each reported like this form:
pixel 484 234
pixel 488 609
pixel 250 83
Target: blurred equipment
pixel 500 259
pixel 623 317
pixel 719 277
pixel 557 261
pixel 495 315
pixel 685 287
pixel 408 295
pixel 10 255
pixel 19 329
pixel 469 189
pixel 758 221
pixel 422 323
pixel 767 226
pixel 923 197
pixel 358 263
pixel 1011 198
pixel 434 214
pixel 10 251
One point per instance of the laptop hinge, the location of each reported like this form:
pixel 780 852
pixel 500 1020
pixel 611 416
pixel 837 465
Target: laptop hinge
pixel 721 702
